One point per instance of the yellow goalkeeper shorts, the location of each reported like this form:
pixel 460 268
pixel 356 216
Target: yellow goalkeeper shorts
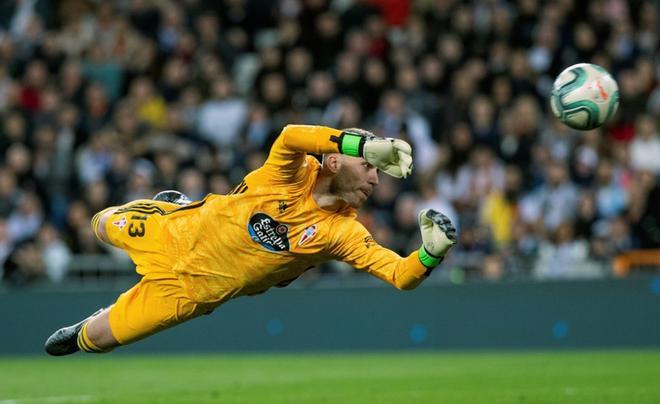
pixel 158 301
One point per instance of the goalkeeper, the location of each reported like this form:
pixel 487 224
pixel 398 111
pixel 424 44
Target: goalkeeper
pixel 285 217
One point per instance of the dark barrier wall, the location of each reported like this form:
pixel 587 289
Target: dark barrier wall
pixel 622 313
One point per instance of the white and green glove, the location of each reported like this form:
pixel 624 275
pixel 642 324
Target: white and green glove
pixel 438 236
pixel 392 156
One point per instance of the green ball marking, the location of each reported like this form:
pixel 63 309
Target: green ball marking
pixel 588 106
pixel 578 81
pixel 614 103
pixel 556 106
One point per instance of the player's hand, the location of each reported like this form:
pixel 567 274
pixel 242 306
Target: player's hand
pixel 438 236
pixel 392 156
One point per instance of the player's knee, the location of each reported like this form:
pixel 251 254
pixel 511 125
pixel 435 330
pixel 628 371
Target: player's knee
pixel 98 224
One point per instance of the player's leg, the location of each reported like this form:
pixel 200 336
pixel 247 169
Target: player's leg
pixel 73 338
pixel 156 303
pixel 166 202
pixel 94 334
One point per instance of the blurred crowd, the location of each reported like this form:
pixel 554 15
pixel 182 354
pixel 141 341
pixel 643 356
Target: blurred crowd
pixel 103 102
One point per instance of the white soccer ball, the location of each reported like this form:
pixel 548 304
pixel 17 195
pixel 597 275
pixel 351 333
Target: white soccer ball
pixel 584 96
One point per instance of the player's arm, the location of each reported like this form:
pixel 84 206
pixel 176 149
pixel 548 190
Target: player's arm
pixel 354 245
pixel 287 155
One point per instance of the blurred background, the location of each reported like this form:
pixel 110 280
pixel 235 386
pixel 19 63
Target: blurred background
pixel 103 102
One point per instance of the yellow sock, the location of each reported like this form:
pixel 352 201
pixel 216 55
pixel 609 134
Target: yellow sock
pixel 86 344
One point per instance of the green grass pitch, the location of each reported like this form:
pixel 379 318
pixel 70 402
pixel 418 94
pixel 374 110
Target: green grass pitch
pixel 403 378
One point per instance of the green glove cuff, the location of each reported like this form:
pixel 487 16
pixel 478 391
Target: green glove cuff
pixel 351 144
pixel 427 259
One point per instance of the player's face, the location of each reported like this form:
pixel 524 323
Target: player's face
pixel 355 180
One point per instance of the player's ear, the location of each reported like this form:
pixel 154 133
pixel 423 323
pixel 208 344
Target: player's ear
pixel 332 162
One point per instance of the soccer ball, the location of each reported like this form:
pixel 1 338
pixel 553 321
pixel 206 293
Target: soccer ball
pixel 584 96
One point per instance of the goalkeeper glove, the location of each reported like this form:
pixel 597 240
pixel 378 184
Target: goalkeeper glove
pixel 172 196
pixel 438 236
pixel 392 156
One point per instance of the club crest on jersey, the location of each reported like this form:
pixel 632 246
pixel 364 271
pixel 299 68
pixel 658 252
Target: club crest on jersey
pixel 307 234
pixel 268 232
pixel 121 223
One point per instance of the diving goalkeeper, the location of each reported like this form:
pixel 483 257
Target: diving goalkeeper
pixel 285 217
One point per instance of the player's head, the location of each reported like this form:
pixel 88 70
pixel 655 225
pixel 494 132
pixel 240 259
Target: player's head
pixel 352 179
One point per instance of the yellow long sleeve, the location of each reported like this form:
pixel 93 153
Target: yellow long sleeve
pixel 354 245
pixel 287 155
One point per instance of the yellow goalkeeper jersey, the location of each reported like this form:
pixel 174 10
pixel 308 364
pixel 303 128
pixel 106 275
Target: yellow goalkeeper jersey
pixel 269 229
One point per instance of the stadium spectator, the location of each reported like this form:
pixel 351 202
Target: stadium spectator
pixel 394 118
pixel 24 265
pixel 499 209
pixel 563 256
pixel 224 107
pixel 54 253
pixel 25 220
pixel 554 202
pixel 611 196
pixel 6 244
pixel 9 192
pixel 645 146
